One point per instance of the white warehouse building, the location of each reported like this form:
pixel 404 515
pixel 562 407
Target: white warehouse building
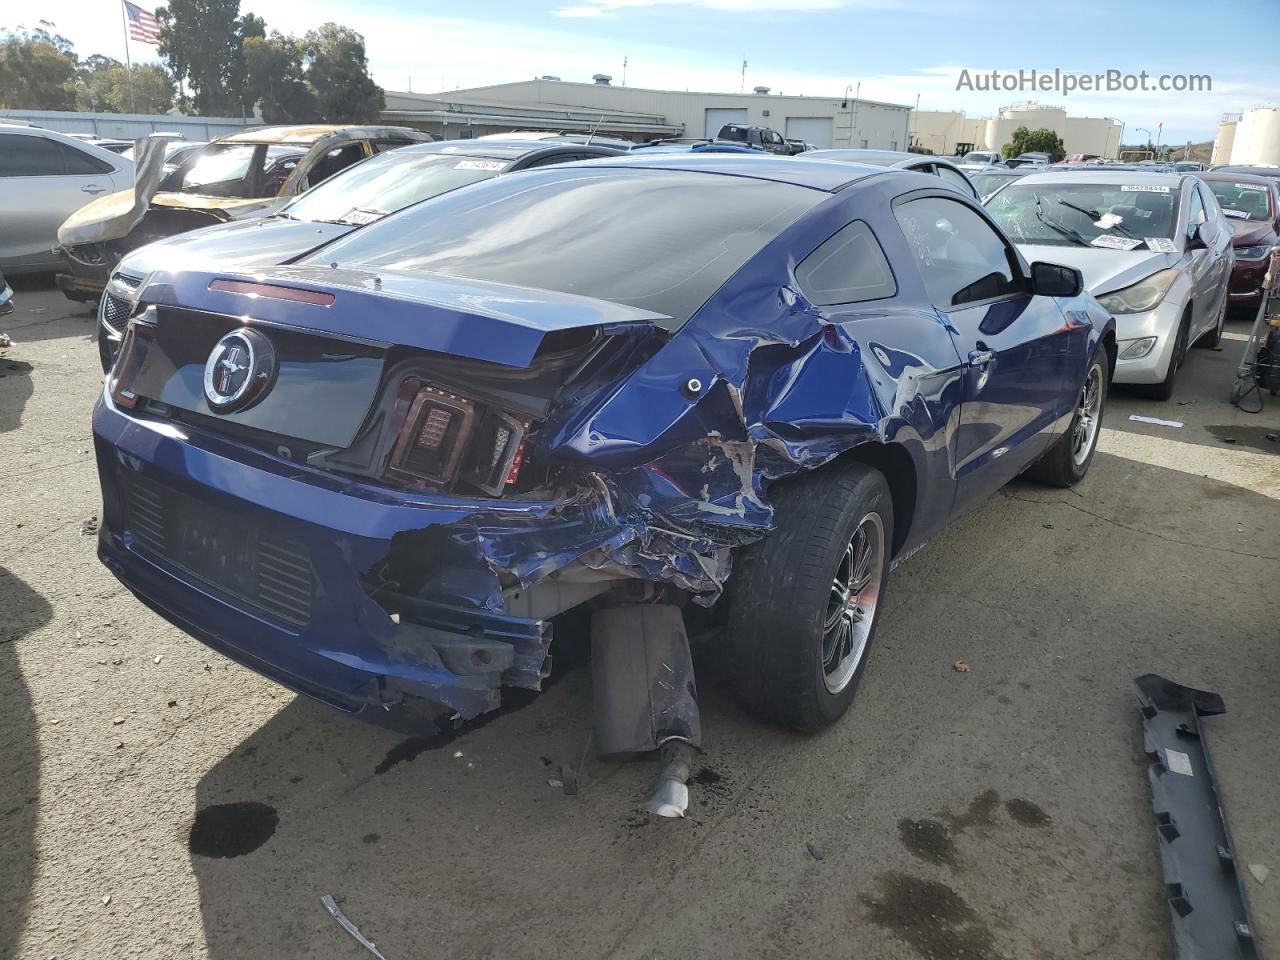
pixel 640 114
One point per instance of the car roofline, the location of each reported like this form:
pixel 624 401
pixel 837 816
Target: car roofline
pixel 706 163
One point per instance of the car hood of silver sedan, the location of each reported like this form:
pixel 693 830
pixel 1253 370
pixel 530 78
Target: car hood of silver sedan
pixel 262 242
pixel 1105 271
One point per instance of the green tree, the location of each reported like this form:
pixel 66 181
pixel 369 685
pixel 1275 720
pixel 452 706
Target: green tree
pixel 93 82
pixel 105 84
pixel 338 74
pixel 1043 140
pixel 37 70
pixel 202 41
pixel 275 81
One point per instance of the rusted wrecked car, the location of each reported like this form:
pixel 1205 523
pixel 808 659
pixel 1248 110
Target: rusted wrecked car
pixel 236 177
pixel 715 394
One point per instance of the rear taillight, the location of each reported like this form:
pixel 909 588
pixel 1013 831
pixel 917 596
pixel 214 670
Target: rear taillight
pixel 431 441
pixel 445 439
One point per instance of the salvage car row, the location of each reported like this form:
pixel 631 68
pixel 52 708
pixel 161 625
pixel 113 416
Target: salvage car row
pixel 379 443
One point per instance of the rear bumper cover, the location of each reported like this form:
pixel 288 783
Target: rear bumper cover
pixel 351 652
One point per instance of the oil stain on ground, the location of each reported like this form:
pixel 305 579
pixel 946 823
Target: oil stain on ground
pixel 981 813
pixel 1027 813
pixel 930 917
pixel 232 829
pixel 1246 436
pixel 930 841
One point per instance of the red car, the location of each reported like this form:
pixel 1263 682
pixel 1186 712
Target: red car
pixel 1251 205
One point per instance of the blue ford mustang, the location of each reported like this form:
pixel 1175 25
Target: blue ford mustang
pixel 736 388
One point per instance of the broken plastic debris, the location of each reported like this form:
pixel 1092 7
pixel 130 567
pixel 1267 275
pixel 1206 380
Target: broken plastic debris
pixel 960 666
pixel 1260 872
pixel 116 721
pixel 157 659
pixel 106 899
pixel 350 927
pixel 1156 420
pixel 555 783
pixel 457 754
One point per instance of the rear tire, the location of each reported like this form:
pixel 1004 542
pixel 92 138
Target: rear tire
pixel 1067 461
pixel 805 601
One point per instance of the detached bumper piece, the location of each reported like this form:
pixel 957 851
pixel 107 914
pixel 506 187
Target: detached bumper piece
pixel 644 695
pixel 1207 904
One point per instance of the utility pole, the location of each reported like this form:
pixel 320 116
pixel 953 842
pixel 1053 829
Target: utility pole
pixel 624 70
pixel 742 87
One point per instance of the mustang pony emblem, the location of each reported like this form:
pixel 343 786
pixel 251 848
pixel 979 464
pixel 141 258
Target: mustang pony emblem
pixel 240 369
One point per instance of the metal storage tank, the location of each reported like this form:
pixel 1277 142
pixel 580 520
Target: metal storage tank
pixel 1224 140
pixel 1258 137
pixel 1031 115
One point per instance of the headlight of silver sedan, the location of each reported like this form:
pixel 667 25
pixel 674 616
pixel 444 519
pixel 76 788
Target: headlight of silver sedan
pixel 1142 296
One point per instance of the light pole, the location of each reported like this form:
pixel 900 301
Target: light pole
pixel 1148 133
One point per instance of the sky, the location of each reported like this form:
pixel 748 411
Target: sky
pixel 896 49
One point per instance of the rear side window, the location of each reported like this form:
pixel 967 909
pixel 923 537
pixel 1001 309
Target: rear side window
pixel 849 267
pixel 962 259
pixel 661 241
pixel 22 155
pixel 957 180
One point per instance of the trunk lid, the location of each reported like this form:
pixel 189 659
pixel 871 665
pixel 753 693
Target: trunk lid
pixel 331 356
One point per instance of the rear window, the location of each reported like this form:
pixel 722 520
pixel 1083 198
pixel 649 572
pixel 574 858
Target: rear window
pixel 661 241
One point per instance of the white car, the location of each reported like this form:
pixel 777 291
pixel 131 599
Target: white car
pixel 978 160
pixel 45 177
pixel 1154 249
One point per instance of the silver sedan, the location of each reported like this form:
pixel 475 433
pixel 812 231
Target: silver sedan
pixel 1154 249
pixel 46 176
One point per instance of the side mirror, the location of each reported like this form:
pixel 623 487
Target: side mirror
pixel 1052 280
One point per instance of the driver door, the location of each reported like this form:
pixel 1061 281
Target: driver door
pixel 1015 345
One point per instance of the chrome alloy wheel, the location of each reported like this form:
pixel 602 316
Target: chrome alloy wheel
pixel 1088 416
pixel 851 610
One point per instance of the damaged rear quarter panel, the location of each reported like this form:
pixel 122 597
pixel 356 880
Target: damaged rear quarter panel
pixel 786 386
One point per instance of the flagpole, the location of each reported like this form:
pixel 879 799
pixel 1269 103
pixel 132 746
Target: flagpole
pixel 124 21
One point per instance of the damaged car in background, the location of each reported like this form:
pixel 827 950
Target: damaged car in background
pixel 690 394
pixel 235 177
pixel 345 202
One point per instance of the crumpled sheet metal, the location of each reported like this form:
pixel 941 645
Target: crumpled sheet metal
pixel 113 216
pixel 671 482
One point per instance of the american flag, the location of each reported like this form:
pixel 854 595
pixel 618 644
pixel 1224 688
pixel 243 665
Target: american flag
pixel 143 25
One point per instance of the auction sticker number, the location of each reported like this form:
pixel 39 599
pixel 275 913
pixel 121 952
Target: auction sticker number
pixel 1116 243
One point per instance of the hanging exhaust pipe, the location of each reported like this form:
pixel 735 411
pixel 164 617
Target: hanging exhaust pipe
pixel 645 697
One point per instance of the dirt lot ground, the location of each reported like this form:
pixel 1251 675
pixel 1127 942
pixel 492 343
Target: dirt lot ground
pixel 998 813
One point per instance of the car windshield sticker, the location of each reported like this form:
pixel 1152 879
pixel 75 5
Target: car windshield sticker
pixel 1108 220
pixel 1249 186
pixel 1145 188
pixel 358 217
pixel 1116 243
pixel 479 165
pixel 1161 245
pixel 1242 214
